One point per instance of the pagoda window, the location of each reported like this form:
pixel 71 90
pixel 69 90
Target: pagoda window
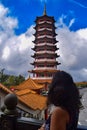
pixel 41 41
pixel 50 65
pixel 41 75
pixel 40 65
pixel 49 20
pixel 50 58
pixel 50 34
pixel 40 20
pixel 41 34
pixel 41 49
pixel 49 49
pixel 49 75
pixel 42 27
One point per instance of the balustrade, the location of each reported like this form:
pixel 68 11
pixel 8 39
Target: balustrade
pixel 10 119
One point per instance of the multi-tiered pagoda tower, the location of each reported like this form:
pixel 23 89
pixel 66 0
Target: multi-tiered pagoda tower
pixel 45 63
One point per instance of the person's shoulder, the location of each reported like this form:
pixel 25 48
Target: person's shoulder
pixel 59 113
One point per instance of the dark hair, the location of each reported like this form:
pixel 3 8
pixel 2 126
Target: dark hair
pixel 63 92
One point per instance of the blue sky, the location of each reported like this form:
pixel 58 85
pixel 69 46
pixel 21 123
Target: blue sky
pixel 16 34
pixel 27 10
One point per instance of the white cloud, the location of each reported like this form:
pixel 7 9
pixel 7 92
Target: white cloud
pixel 71 22
pixel 73 49
pixel 3 11
pixel 7 23
pixel 15 51
pixel 78 3
pixel 83 33
pixel 6 53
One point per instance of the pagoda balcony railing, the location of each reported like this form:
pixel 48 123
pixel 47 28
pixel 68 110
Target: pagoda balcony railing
pixel 41 29
pixel 42 78
pixel 49 29
pixel 45 22
pixel 42 44
pixel 41 52
pixel 49 22
pixel 45 68
pixel 41 22
pixel 39 60
pixel 45 36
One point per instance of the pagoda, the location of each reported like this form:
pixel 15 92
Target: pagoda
pixel 45 63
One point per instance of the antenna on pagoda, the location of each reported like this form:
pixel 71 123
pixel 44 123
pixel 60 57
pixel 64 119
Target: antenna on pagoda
pixel 45 13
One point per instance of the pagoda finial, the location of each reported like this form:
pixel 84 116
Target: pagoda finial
pixel 44 13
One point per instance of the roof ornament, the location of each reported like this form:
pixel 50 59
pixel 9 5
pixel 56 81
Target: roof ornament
pixel 44 13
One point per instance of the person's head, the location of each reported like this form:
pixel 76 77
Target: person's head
pixel 63 91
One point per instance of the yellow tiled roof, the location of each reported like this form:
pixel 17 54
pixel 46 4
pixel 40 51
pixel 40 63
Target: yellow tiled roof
pixel 24 91
pixel 32 99
pixel 28 97
pixel 30 84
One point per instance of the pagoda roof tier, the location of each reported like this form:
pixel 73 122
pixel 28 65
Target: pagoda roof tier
pixel 44 54
pixel 45 40
pixel 48 48
pixel 44 17
pixel 45 44
pixel 50 35
pixel 44 70
pixel 39 29
pixel 53 49
pixel 45 62
pixel 45 25
pixel 46 32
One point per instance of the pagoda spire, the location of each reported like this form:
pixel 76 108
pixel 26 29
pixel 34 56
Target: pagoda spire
pixel 45 13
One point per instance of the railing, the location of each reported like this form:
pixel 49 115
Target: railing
pixel 10 122
pixel 41 44
pixel 41 29
pixel 10 119
pixel 45 59
pixel 45 21
pixel 43 78
pixel 45 68
pixel 22 123
pixel 45 36
pixel 41 52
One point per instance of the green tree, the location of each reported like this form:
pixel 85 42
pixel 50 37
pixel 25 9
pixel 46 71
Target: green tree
pixel 10 80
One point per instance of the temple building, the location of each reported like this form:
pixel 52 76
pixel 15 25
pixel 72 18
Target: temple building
pixel 45 63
